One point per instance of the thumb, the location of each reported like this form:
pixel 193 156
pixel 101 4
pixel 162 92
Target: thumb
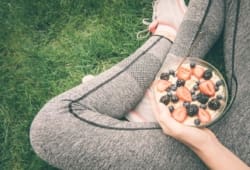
pixel 164 112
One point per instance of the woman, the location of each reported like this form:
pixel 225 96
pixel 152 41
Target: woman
pixel 82 128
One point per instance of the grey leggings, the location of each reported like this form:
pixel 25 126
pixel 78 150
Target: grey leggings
pixel 83 128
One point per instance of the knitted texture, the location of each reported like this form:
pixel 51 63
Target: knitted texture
pixel 126 89
pixel 187 40
pixel 67 142
pixel 234 129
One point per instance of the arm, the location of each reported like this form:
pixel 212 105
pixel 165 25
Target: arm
pixel 217 156
pixel 201 141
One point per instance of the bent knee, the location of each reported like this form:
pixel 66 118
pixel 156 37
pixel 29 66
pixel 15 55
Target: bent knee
pixel 48 130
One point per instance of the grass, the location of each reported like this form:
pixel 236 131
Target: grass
pixel 46 47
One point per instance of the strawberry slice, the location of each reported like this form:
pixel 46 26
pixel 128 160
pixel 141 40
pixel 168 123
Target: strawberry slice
pixel 204 116
pixel 207 87
pixel 184 94
pixel 180 114
pixel 183 73
pixel 198 72
pixel 162 85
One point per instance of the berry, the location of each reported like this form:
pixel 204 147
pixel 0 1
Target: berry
pixel 214 104
pixel 174 98
pixel 204 116
pixel 183 73
pixel 180 114
pixel 184 94
pixel 164 76
pixel 197 122
pixel 169 93
pixel 172 72
pixel 198 72
pixel 192 65
pixel 195 87
pixel 207 74
pixel 219 97
pixel 168 89
pixel 194 97
pixel 163 85
pixel 207 87
pixel 173 87
pixel 180 83
pixel 165 99
pixel 192 110
pixel 202 98
pixel 218 83
pixel 203 106
pixel 186 104
pixel 192 92
pixel 171 108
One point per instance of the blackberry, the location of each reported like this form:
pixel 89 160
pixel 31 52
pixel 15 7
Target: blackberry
pixel 194 97
pixel 219 97
pixel 192 92
pixel 202 98
pixel 197 122
pixel 174 98
pixel 186 104
pixel 192 65
pixel 195 87
pixel 207 74
pixel 180 83
pixel 169 93
pixel 165 99
pixel 171 109
pixel 173 87
pixel 192 110
pixel 168 89
pixel 219 83
pixel 164 76
pixel 214 104
pixel 203 106
pixel 172 72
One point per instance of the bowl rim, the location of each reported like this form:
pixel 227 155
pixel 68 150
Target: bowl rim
pixel 204 63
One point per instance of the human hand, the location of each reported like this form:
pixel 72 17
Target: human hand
pixel 201 140
pixel 195 138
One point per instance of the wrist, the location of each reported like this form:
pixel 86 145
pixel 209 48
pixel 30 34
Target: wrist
pixel 209 149
pixel 207 145
pixel 197 139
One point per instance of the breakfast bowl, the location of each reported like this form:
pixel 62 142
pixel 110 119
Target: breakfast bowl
pixel 196 94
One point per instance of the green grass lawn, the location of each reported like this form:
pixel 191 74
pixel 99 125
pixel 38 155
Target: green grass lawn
pixel 46 47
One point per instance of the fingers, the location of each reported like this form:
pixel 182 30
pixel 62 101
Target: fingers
pixel 154 104
pixel 169 125
pixel 156 110
pixel 164 113
pixel 163 116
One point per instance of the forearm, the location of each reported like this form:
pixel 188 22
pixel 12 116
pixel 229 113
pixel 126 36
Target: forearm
pixel 216 156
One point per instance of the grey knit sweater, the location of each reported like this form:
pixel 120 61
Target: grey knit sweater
pixel 83 127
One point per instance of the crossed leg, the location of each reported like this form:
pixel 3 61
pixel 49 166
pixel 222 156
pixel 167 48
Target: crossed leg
pixel 67 132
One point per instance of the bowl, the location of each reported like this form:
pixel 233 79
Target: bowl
pixel 203 82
